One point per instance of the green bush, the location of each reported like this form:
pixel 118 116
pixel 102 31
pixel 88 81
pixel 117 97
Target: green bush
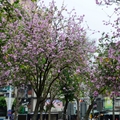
pixel 21 110
pixel 3 102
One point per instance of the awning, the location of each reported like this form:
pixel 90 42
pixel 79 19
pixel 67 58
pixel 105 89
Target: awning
pixel 110 113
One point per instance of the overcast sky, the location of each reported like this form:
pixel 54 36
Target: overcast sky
pixel 94 14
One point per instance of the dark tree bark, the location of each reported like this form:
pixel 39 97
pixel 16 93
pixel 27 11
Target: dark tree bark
pixel 36 110
pixel 89 110
pixel 78 109
pixel 17 107
pixel 49 114
pixel 18 103
pixel 65 108
pixel 41 110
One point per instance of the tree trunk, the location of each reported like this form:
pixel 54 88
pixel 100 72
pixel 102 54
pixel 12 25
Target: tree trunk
pixel 49 114
pixel 36 110
pixel 89 110
pixel 78 110
pixel 41 116
pixel 17 106
pixel 65 108
pixel 49 110
pixel 41 110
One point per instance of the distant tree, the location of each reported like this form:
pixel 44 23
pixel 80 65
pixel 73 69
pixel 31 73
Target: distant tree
pixel 109 63
pixel 105 72
pixel 68 86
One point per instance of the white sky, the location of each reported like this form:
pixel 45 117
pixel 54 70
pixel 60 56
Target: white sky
pixel 94 14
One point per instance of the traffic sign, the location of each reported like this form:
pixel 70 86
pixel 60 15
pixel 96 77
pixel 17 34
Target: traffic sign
pixel 9 113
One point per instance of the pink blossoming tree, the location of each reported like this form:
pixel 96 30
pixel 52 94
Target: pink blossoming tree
pixel 110 44
pixel 41 46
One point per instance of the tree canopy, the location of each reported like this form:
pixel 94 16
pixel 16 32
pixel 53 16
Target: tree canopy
pixel 41 45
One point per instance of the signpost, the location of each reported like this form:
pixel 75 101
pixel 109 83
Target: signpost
pixel 9 101
pixel 9 113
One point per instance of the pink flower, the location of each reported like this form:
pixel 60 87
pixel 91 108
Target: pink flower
pixel 58 71
pixel 9 64
pixel 78 71
pixel 95 93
